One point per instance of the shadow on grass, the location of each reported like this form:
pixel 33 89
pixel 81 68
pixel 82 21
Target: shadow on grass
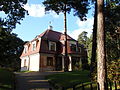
pixel 68 79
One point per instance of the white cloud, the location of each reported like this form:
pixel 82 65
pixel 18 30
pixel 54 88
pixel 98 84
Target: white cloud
pixel 83 26
pixel 35 10
pixel 54 14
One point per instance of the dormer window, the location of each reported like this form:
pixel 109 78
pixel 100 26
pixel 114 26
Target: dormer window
pixel 25 49
pixel 52 46
pixel 34 46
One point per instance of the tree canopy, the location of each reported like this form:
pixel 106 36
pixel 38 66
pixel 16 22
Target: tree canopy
pixel 11 49
pixel 80 7
pixel 83 39
pixel 14 12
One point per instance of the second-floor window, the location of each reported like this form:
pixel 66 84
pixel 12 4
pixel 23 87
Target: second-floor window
pixel 34 47
pixel 52 46
pixel 25 49
pixel 73 47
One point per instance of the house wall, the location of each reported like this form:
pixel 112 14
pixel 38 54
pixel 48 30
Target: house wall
pixel 24 67
pixel 43 65
pixel 34 62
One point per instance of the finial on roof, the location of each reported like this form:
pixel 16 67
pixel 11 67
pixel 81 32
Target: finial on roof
pixel 50 26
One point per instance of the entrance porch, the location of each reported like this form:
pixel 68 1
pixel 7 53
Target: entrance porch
pixel 74 63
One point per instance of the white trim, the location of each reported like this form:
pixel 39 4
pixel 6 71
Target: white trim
pixel 25 49
pixel 63 67
pixel 70 64
pixel 33 47
pixel 50 43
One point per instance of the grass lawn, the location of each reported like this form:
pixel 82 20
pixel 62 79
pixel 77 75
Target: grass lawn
pixel 68 79
pixel 6 79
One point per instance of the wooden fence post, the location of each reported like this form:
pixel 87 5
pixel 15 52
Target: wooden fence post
pixel 91 88
pixel 83 87
pixel 73 87
pixel 110 85
pixel 106 85
pixel 115 85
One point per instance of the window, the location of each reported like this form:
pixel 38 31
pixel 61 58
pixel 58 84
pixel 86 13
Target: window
pixel 52 46
pixel 49 61
pixel 25 63
pixel 25 49
pixel 34 47
pixel 73 47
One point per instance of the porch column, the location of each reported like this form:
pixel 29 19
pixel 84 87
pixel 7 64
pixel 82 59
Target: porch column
pixel 70 63
pixel 63 63
pixel 80 62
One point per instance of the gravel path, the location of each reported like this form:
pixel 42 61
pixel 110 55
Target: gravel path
pixel 32 81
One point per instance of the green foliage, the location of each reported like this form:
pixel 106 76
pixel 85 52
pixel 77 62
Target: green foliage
pixel 80 7
pixel 114 70
pixel 11 49
pixel 83 39
pixel 14 11
pixel 89 49
pixel 86 42
pixel 112 47
pixel 112 13
pixel 6 79
pixel 112 25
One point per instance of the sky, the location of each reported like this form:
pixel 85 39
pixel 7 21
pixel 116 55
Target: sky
pixel 37 22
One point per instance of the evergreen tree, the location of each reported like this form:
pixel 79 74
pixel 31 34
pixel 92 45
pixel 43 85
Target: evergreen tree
pixel 14 12
pixel 11 49
pixel 101 55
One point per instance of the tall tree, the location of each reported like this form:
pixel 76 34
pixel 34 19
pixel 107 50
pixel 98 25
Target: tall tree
pixel 112 27
pixel 11 49
pixel 83 39
pixel 85 42
pixel 14 12
pixel 101 55
pixel 94 44
pixel 80 8
pixel 112 13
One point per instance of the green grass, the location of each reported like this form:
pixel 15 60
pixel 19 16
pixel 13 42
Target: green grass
pixel 26 71
pixel 6 79
pixel 68 79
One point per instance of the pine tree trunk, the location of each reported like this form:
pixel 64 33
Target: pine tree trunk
pixel 65 33
pixel 94 44
pixel 100 45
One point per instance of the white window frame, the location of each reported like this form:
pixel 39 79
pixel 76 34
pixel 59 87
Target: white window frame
pixel 34 46
pixel 50 43
pixel 25 49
